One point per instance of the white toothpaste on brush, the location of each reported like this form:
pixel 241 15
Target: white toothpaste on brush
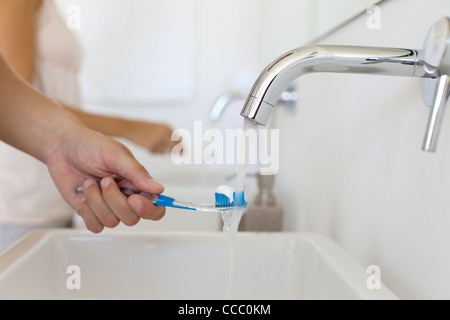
pixel 227 191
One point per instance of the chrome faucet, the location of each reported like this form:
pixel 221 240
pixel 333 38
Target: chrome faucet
pixel 431 64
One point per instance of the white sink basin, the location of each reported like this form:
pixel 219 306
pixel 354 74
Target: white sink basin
pixel 173 265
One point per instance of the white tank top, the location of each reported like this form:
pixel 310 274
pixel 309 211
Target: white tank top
pixel 28 195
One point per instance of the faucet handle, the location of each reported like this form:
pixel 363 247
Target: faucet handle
pixel 436 90
pixel 437 113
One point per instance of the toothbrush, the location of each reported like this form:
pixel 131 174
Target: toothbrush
pixel 225 200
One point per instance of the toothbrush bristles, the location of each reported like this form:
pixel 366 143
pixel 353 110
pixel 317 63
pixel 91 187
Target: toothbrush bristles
pixel 223 201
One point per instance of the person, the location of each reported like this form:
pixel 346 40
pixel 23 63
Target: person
pixel 75 156
pixel 37 44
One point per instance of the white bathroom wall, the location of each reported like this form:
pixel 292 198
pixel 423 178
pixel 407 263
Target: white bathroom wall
pixel 352 166
pixel 130 48
pixel 215 46
pixel 209 65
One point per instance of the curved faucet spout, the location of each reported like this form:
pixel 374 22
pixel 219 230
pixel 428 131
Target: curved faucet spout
pixel 432 64
pixel 337 59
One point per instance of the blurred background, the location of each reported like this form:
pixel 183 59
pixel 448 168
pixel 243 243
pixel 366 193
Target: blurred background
pixel 170 60
pixel 350 160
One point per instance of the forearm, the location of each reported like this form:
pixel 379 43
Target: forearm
pixel 30 121
pixel 110 126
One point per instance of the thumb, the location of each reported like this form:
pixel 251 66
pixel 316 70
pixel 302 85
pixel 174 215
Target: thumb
pixel 129 168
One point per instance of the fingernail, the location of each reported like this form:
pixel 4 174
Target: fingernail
pixel 155 184
pixel 88 183
pixel 135 203
pixel 105 182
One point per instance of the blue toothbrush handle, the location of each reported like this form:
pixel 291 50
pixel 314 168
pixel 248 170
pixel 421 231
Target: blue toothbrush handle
pixel 161 201
pixel 169 202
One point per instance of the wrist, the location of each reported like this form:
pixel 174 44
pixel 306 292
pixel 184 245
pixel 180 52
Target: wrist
pixel 64 126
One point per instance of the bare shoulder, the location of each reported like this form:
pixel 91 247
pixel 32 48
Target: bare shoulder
pixel 20 4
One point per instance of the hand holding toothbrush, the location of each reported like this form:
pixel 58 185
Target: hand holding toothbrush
pixel 92 157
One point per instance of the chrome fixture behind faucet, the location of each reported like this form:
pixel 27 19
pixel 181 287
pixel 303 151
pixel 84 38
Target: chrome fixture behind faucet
pixel 432 64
